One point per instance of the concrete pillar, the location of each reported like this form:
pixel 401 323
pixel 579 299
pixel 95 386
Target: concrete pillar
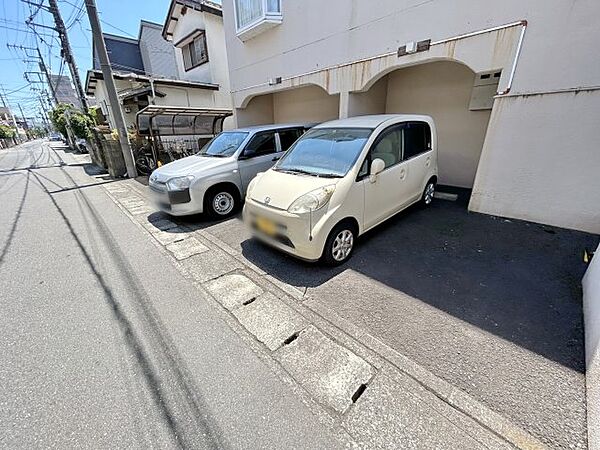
pixel 344 104
pixel 591 315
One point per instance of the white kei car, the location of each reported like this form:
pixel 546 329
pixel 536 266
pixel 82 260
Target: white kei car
pixel 341 179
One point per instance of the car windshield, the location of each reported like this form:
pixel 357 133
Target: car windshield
pixel 223 145
pixel 325 152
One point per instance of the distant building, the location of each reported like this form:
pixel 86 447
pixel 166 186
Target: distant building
pixel 5 116
pixel 65 91
pixel 6 119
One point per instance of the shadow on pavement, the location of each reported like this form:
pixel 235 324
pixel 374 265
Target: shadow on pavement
pixel 516 280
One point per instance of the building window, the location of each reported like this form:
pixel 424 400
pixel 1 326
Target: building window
pixel 195 52
pixel 255 16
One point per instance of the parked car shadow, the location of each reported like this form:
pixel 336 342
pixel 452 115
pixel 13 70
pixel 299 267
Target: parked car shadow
pixel 517 280
pixel 194 222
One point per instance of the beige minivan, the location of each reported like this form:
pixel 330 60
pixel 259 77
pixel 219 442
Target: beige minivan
pixel 341 179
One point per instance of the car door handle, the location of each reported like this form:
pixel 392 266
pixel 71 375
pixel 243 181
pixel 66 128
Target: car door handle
pixel 428 161
pixel 402 174
pixel 276 158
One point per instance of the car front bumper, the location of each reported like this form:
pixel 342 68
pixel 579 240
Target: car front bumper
pixel 175 203
pixel 291 234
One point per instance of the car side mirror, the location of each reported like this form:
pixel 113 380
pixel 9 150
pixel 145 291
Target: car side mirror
pixel 247 154
pixel 377 167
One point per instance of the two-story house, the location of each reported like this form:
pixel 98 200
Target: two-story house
pixel 511 85
pixel 189 73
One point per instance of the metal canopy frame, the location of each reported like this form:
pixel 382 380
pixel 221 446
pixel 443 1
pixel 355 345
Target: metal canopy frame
pixel 152 111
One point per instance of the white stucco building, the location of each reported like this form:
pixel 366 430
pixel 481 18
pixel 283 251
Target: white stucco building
pixel 514 87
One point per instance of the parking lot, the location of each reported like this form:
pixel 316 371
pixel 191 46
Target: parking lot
pixel 491 305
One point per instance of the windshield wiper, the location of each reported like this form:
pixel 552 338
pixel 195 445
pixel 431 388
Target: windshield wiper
pixel 312 174
pixel 293 170
pixel 212 155
pixel 328 175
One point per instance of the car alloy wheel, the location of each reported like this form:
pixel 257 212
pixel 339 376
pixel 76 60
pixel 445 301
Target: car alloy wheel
pixel 342 245
pixel 223 203
pixel 429 193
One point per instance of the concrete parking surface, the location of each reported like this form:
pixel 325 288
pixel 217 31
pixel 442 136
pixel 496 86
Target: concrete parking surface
pixel 491 305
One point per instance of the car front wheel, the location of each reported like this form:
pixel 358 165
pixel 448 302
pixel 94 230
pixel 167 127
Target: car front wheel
pixel 339 245
pixel 221 203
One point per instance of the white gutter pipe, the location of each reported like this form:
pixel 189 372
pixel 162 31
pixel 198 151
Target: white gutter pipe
pixel 513 69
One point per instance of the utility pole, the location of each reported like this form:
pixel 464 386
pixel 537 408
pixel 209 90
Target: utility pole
pixel 44 112
pixel 69 128
pixel 67 53
pixel 107 74
pixel 25 125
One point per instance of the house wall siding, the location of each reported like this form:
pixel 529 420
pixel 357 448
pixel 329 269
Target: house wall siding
pixel 157 53
pixel 192 20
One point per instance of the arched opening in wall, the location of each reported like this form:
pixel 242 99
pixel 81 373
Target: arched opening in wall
pixel 459 101
pixel 303 104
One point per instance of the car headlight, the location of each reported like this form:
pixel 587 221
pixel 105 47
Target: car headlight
pixel 312 201
pixel 179 183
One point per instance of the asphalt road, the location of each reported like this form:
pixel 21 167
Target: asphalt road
pixel 104 344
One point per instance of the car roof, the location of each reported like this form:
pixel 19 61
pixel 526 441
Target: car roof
pixel 371 121
pixel 278 126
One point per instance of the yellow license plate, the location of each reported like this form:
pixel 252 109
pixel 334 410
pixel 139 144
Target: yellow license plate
pixel 267 226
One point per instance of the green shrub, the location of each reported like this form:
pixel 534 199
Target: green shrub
pixel 6 132
pixel 81 123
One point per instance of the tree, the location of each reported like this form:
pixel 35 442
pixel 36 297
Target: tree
pixel 80 123
pixel 38 132
pixel 6 132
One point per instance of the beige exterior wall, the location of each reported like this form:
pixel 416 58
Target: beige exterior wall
pixel 322 43
pixel 443 90
pixel 307 104
pixel 591 315
pixel 258 112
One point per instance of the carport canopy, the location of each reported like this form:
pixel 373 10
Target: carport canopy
pixel 160 120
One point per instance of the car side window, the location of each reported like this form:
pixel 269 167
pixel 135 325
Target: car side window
pixel 261 144
pixel 416 139
pixel 364 169
pixel 388 146
pixel 288 137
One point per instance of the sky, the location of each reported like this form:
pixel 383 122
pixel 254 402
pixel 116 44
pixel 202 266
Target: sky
pixel 120 17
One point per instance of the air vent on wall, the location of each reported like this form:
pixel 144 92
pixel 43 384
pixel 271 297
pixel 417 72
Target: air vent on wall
pixel 484 89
